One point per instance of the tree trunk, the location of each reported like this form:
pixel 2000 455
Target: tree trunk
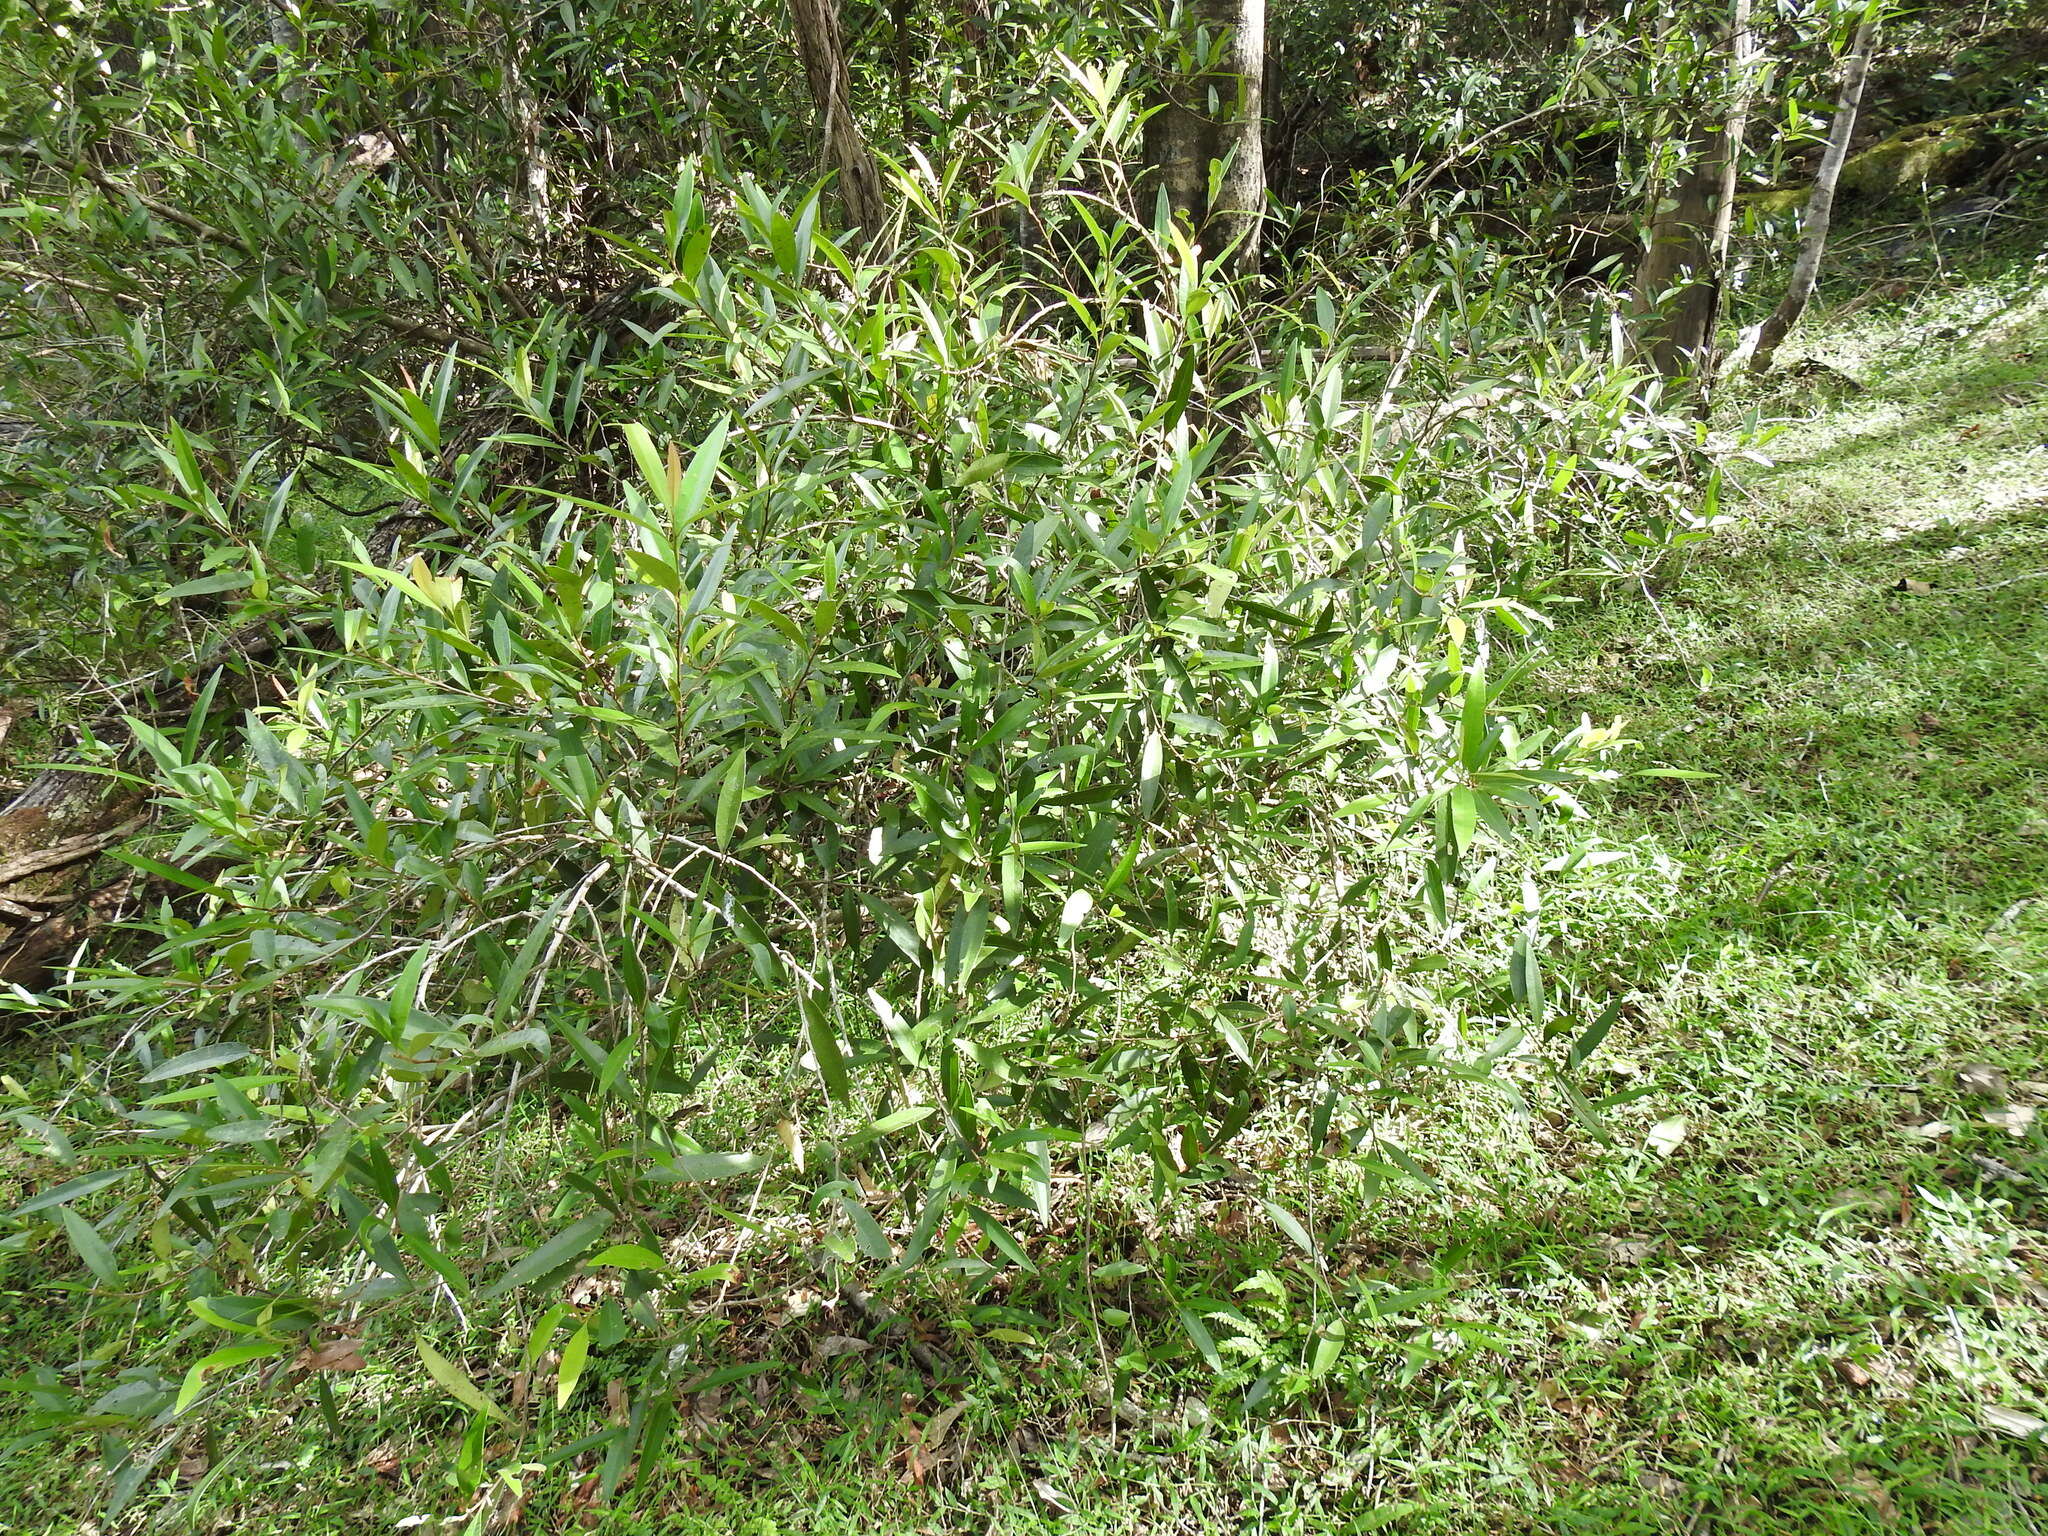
pixel 1820 206
pixel 819 45
pixel 1741 90
pixel 1218 116
pixel 1674 287
pixel 522 116
pixel 287 42
pixel 1742 55
pixel 1690 237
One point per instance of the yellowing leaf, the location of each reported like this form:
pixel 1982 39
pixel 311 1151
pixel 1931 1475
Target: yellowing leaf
pixel 456 1381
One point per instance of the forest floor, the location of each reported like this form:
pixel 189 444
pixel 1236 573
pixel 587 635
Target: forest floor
pixel 1805 1290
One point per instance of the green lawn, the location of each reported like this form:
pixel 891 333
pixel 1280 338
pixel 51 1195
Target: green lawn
pixel 1802 1287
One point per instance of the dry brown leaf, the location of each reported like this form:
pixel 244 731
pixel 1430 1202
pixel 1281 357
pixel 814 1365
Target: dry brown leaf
pixel 509 1510
pixel 1865 1487
pixel 1628 1250
pixel 1667 1135
pixel 1983 1080
pixel 940 1425
pixel 2011 1421
pixel 343 1354
pixel 836 1344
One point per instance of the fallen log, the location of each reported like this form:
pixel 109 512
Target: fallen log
pixel 54 832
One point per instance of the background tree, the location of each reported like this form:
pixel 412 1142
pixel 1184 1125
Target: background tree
pixel 843 146
pixel 1206 142
pixel 1762 345
pixel 1677 289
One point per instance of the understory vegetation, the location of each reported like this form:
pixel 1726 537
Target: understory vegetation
pixel 1014 769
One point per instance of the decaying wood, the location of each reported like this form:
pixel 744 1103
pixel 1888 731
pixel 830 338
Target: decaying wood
pixel 49 836
pixel 53 832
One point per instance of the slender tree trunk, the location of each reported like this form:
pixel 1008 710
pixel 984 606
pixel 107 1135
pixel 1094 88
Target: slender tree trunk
pixel 287 42
pixel 1218 116
pixel 1742 88
pixel 819 45
pixel 1741 92
pixel 901 14
pixel 522 115
pixel 1820 205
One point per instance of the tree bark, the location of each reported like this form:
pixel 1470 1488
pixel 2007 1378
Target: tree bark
pixel 1218 117
pixel 1692 230
pixel 819 45
pixel 522 116
pixel 1674 287
pixel 1763 344
pixel 54 830
pixel 1741 93
pixel 49 837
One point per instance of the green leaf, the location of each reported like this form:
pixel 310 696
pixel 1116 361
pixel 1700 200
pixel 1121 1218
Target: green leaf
pixel 92 1248
pixel 987 467
pixel 220 1359
pixel 730 788
pixel 696 483
pixel 456 1381
pixel 709 1167
pixel 824 1043
pixel 1150 765
pixel 72 1189
pixel 626 1256
pixel 1464 818
pixel 1297 1234
pixel 1203 1340
pixel 1525 978
pixel 897 1120
pixel 223 581
pixel 563 1248
pixel 1118 1269
pixel 867 1231
pixel 541 1335
pixel 205 1059
pixel 1472 721
pixel 964 943
pixel 575 1355
pixel 1329 1348
pixel 648 458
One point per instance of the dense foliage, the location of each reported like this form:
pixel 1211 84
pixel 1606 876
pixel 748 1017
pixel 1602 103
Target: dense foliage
pixel 586 624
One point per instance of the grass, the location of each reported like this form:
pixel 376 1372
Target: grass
pixel 1803 1286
